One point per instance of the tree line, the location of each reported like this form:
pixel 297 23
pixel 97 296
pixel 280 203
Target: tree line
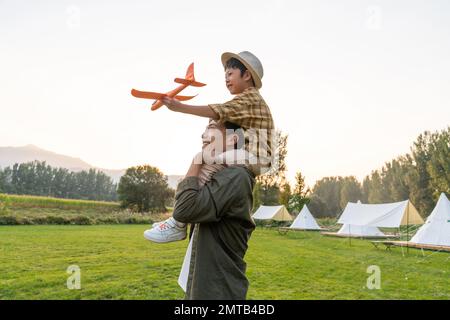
pixel 141 188
pixel 419 176
pixel 40 179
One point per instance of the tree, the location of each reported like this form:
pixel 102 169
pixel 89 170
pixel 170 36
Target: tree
pixel 5 180
pixel 38 178
pixel 420 176
pixel 145 188
pixel 300 185
pixel 285 195
pixel 376 192
pixel 331 194
pixel 270 195
pixel 421 194
pixel 299 196
pixel 438 166
pixel 256 196
pixel 350 191
pixel 318 207
pixel 273 182
pixel 2 181
pixel 328 190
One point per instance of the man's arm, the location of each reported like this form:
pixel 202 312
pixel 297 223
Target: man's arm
pixel 209 203
pixel 201 111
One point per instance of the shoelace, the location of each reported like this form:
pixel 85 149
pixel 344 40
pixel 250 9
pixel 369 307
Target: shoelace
pixel 165 225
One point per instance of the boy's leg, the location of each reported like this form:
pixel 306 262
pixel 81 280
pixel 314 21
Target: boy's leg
pixel 167 231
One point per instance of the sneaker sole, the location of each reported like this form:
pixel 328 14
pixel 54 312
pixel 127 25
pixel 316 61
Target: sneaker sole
pixel 161 241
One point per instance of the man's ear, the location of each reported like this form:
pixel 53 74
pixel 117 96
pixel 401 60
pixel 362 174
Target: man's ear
pixel 235 138
pixel 232 138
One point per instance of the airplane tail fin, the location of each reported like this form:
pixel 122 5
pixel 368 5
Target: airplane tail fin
pixel 189 82
pixel 190 72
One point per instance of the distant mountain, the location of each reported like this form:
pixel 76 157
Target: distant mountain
pixel 11 155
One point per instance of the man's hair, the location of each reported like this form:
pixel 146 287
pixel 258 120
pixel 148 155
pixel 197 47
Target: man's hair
pixel 234 63
pixel 237 130
pixel 231 125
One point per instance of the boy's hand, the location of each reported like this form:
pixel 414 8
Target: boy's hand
pixel 202 111
pixel 171 103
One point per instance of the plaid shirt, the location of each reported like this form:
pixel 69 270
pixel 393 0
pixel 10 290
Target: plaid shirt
pixel 249 110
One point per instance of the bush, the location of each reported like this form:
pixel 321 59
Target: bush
pixel 81 220
pixel 56 220
pixel 39 220
pixel 107 220
pixel 25 221
pixel 9 220
pixel 272 223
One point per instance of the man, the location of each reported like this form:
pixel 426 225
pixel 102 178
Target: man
pixel 221 210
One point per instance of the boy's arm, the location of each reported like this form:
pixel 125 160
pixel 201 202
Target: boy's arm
pixel 201 111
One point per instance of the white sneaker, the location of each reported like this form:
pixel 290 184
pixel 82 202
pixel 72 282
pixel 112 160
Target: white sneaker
pixel 166 231
pixel 157 224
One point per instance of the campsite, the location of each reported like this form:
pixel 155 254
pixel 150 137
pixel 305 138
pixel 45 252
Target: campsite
pixel 363 221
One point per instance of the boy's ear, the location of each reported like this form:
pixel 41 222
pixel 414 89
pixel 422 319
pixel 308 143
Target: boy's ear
pixel 247 76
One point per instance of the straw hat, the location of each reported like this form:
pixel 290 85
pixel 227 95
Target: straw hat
pixel 250 61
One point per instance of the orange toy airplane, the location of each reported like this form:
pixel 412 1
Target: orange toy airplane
pixel 188 81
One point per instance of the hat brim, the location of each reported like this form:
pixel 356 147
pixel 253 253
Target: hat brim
pixel 228 55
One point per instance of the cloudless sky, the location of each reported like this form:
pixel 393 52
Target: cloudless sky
pixel 353 83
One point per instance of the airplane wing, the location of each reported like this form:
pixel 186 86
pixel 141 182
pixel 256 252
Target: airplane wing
pixel 147 94
pixel 157 95
pixel 184 98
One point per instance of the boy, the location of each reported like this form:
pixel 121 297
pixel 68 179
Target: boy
pixel 248 110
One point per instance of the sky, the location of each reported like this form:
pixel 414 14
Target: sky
pixel 353 83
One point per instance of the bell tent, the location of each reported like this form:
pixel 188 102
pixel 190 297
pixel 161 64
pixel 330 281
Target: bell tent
pixel 305 221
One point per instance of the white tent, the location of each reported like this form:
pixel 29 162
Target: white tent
pixel 436 230
pixel 388 215
pixel 360 231
pixel 278 213
pixel 305 220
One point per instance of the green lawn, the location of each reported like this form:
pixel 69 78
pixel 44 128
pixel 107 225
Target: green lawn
pixel 37 210
pixel 117 263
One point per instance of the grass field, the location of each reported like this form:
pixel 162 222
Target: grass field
pixel 33 210
pixel 27 201
pixel 117 263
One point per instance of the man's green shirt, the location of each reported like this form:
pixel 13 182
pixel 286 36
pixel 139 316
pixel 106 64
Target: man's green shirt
pixel 221 210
